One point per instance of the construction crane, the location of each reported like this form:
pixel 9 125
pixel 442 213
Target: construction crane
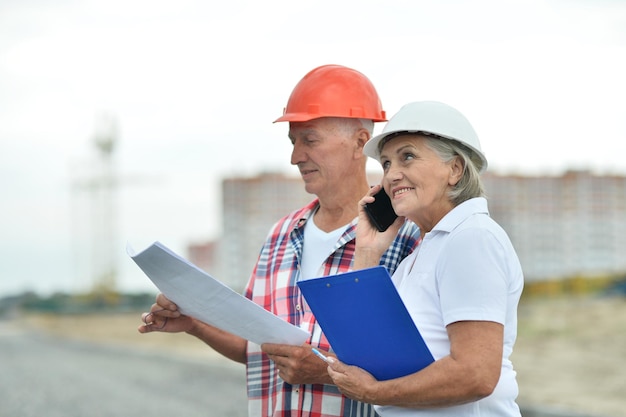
pixel 99 184
pixel 104 209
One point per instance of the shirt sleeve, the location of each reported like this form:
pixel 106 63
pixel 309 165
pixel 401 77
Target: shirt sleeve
pixel 472 279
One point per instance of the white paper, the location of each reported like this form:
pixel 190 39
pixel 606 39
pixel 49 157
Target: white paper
pixel 201 296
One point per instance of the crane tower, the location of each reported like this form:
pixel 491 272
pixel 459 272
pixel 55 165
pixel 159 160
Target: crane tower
pixel 104 206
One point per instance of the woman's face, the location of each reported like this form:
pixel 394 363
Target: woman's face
pixel 417 180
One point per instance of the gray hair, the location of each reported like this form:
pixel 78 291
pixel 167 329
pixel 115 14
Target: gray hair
pixel 368 125
pixel 351 125
pixel 470 185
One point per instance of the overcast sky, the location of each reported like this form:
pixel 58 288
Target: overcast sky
pixel 195 86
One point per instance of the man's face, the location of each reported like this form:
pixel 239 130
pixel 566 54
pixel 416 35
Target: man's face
pixel 323 150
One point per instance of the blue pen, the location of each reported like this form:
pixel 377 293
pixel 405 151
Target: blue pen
pixel 321 356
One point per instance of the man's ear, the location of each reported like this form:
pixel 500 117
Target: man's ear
pixel 362 136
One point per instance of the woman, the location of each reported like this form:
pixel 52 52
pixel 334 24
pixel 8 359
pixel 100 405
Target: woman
pixel 461 285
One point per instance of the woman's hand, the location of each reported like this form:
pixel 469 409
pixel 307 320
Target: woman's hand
pixel 352 381
pixel 370 243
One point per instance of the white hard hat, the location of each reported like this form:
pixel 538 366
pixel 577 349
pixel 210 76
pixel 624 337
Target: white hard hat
pixel 429 117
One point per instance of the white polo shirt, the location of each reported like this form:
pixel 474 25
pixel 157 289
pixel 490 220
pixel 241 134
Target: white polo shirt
pixel 464 269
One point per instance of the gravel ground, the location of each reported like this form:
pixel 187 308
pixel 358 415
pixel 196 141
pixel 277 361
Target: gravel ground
pixel 571 354
pixel 570 357
pixel 43 375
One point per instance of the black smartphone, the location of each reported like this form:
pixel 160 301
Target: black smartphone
pixel 381 212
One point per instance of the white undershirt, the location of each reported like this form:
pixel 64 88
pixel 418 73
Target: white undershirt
pixel 318 245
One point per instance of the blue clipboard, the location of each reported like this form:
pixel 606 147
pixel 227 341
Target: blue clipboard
pixel 366 322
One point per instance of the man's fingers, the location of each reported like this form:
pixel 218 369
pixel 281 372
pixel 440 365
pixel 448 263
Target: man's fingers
pixel 165 303
pixel 152 322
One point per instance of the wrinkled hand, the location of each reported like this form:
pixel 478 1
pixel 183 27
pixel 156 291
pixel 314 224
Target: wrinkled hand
pixel 352 381
pixel 164 316
pixel 297 364
pixel 364 226
pixel 370 243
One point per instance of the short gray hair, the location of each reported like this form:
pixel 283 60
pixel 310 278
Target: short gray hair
pixel 470 185
pixel 368 125
pixel 351 125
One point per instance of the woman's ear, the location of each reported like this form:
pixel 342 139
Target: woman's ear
pixel 456 170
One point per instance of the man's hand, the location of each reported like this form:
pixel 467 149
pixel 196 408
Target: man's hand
pixel 164 316
pixel 298 364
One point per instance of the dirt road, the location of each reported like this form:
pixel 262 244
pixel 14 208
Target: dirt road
pixel 44 375
pixel 570 355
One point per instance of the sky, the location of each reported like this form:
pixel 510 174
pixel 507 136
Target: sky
pixel 194 86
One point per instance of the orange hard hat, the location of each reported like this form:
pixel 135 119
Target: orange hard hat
pixel 333 91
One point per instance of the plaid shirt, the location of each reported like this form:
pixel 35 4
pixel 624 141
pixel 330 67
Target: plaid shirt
pixel 273 286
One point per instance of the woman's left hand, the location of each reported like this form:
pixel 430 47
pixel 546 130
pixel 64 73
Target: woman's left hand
pixel 352 381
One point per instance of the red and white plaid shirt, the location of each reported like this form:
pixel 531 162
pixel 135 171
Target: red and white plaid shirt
pixel 273 286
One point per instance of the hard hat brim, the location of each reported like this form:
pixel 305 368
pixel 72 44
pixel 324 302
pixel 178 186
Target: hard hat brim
pixel 296 117
pixel 371 147
pixel 305 117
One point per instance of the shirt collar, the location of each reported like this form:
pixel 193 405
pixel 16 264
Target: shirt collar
pixel 307 212
pixel 460 213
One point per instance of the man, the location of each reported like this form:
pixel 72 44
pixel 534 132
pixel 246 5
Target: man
pixel 331 114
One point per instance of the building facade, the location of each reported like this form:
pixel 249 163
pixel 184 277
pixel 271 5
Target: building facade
pixel 561 226
pixel 250 207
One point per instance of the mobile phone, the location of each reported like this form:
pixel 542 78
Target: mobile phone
pixel 380 212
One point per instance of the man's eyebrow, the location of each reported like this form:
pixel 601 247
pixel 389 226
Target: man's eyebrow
pixel 303 132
